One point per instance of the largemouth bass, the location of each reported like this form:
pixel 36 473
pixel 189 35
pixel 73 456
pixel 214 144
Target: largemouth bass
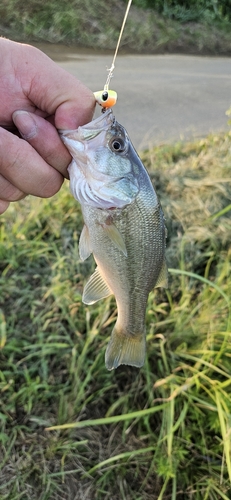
pixel 124 230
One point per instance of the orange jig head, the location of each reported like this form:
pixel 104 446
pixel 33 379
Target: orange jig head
pixel 106 98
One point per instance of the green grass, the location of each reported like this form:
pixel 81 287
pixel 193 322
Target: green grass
pixel 159 433
pixel 97 25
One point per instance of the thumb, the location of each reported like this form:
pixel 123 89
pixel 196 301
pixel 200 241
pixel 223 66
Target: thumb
pixel 57 92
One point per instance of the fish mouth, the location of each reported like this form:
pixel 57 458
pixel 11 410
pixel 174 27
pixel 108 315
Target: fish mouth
pixel 103 122
pixel 106 118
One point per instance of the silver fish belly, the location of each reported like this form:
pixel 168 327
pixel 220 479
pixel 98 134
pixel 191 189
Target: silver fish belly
pixel 124 229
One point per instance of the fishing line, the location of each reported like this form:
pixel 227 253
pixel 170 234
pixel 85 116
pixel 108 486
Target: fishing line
pixel 107 98
pixel 110 74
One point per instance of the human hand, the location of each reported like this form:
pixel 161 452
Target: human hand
pixel 37 98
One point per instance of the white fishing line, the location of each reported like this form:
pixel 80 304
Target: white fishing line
pixel 110 71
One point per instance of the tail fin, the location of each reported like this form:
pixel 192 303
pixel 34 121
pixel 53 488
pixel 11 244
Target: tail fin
pixel 125 350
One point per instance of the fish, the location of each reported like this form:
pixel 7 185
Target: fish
pixel 124 229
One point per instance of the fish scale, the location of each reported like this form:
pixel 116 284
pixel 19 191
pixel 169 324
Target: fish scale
pixel 124 230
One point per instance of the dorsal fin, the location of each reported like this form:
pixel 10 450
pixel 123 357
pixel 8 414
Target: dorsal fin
pixel 162 280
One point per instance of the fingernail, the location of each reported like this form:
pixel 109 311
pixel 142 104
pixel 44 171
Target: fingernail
pixel 25 124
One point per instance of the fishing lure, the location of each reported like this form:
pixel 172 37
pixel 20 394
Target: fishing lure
pixel 107 98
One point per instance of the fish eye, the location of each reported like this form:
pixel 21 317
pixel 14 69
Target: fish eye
pixel 118 145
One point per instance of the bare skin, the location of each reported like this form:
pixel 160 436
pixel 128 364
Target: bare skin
pixel 37 98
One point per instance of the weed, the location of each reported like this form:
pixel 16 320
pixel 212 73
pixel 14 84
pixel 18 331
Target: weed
pixel 71 429
pixel 202 29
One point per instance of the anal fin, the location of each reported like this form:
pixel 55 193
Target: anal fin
pixel 95 289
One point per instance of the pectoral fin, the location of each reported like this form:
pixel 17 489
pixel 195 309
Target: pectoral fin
pixel 95 289
pixel 163 276
pixel 115 236
pixel 84 244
